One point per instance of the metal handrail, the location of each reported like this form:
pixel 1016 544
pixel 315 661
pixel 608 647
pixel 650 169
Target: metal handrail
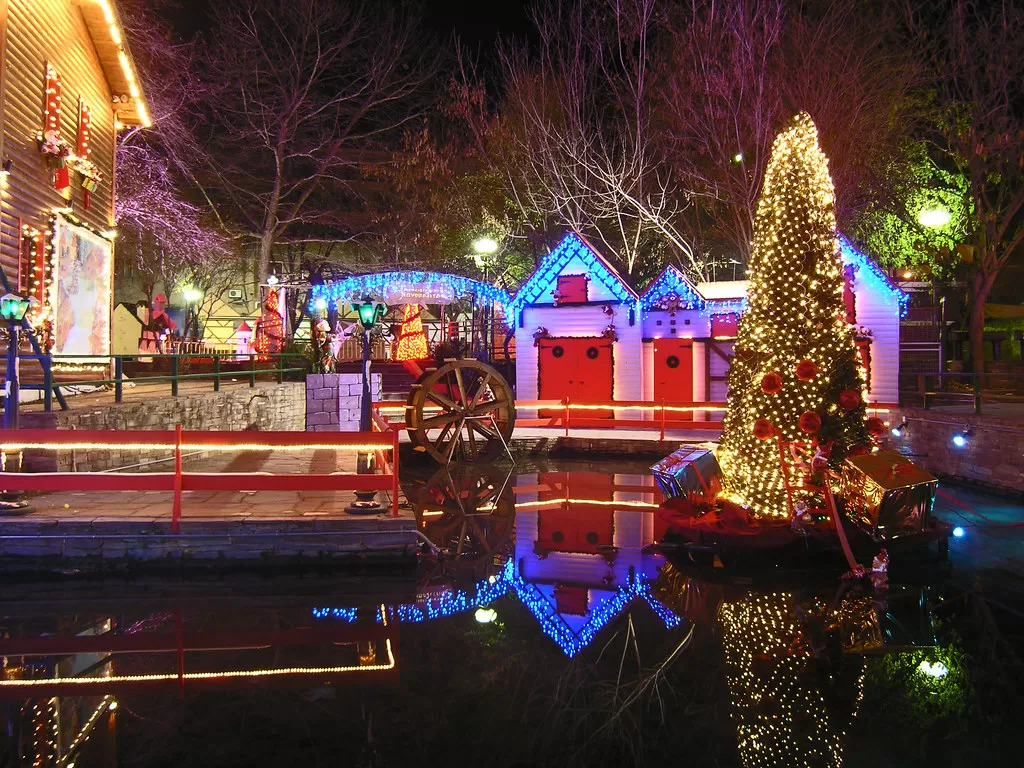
pixel 49 386
pixel 975 379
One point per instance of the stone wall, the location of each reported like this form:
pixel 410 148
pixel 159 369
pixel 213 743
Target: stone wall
pixel 333 400
pixel 993 456
pixel 265 407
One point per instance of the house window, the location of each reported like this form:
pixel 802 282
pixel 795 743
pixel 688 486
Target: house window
pixel 572 289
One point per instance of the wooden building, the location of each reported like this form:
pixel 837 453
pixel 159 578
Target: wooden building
pixel 583 333
pixel 68 84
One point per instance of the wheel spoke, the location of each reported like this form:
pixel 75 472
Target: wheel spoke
pixel 471 433
pixel 435 422
pixel 482 389
pixel 484 429
pixel 489 407
pixel 441 400
pixel 462 387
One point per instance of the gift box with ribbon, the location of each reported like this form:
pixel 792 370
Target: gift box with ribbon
pixel 886 494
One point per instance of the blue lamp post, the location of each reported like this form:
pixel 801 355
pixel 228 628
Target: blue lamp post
pixel 370 313
pixel 12 311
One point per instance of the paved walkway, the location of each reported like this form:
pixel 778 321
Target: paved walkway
pixel 134 391
pixel 205 506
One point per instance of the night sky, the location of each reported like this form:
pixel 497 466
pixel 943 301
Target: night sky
pixel 477 23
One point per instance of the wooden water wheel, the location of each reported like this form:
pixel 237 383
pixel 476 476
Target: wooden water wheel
pixel 462 411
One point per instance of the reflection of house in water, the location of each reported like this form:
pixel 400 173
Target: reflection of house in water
pixel 578 560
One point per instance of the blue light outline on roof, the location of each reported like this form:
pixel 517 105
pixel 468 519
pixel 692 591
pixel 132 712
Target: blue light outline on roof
pixel 671 280
pixel 545 278
pixel 870 273
pixel 355 286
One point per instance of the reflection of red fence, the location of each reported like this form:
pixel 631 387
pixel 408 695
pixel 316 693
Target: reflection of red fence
pixel 178 481
pixel 178 643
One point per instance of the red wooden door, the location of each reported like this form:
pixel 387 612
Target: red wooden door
pixel 673 374
pixel 578 368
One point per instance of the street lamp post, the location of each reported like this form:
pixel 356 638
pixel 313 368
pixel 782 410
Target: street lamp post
pixel 370 313
pixel 12 310
pixel 484 249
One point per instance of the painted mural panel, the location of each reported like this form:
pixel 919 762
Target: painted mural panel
pixel 81 291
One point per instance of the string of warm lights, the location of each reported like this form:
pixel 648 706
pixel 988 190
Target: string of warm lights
pixel 220 675
pixel 122 56
pixel 795 375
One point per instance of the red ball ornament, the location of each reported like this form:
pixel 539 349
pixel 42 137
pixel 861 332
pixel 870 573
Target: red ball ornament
pixel 810 422
pixel 875 426
pixel 771 383
pixel 763 429
pixel 849 399
pixel 806 370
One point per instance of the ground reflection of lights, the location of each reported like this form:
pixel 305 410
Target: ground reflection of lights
pixel 552 623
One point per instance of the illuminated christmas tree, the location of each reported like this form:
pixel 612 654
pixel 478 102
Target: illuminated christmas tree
pixel 795 375
pixel 412 341
pixel 270 326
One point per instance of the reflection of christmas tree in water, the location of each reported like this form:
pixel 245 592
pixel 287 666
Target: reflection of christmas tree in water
pixel 795 373
pixel 270 326
pixel 782 718
pixel 412 341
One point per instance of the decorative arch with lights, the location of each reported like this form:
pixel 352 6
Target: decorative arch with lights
pixel 430 287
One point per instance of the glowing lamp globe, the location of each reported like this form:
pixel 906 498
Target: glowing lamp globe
pixel 370 312
pixel 13 307
pixel 933 217
pixel 485 245
pixel 485 615
pixel 191 295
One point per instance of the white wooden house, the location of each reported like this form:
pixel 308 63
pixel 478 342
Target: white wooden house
pixel 583 333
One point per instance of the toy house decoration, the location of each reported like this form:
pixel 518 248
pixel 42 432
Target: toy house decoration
pixel 583 333
pixel 589 350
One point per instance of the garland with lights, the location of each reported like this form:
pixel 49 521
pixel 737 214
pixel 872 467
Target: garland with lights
pixel 671 291
pixel 412 341
pixel 796 375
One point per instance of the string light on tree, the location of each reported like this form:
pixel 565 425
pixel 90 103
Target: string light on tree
pixel 794 332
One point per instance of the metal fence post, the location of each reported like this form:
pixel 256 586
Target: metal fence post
pixel 280 369
pixel 174 375
pixel 47 362
pixel 977 394
pixel 216 373
pixel 252 372
pixel 118 383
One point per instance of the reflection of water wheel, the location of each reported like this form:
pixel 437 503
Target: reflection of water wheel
pixel 463 410
pixel 467 511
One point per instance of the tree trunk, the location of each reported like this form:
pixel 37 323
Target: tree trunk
pixel 981 287
pixel 263 267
